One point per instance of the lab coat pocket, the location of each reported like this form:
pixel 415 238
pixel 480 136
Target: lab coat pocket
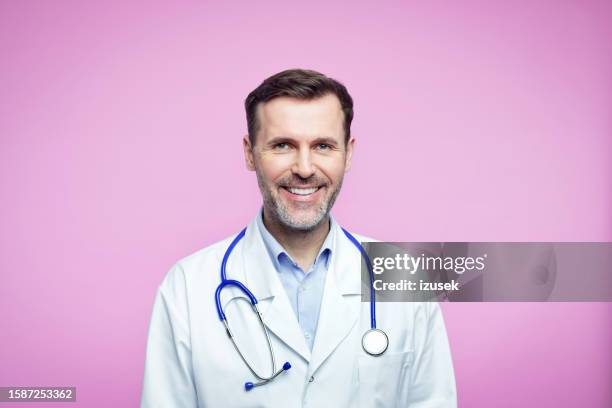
pixel 383 380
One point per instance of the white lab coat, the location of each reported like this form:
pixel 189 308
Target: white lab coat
pixel 191 362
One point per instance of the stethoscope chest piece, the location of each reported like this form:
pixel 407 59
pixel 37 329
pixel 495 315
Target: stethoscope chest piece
pixel 375 342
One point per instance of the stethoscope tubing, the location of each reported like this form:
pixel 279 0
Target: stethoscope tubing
pixel 253 300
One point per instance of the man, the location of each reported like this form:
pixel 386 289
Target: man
pixel 304 273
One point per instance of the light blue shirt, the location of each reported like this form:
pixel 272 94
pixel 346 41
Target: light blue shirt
pixel 304 289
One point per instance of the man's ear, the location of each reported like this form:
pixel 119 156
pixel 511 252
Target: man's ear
pixel 248 153
pixel 350 147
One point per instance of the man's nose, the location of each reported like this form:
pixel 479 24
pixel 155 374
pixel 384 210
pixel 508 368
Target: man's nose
pixel 303 165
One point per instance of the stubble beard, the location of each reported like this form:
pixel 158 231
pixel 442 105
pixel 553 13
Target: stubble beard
pixel 283 214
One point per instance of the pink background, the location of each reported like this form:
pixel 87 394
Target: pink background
pixel 121 128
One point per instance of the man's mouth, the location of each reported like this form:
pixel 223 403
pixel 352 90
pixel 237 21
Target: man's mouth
pixel 302 191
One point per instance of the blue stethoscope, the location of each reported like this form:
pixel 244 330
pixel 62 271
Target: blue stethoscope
pixel 374 341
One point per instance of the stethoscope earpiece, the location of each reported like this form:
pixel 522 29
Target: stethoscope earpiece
pixel 248 386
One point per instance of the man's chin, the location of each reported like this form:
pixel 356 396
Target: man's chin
pixel 301 221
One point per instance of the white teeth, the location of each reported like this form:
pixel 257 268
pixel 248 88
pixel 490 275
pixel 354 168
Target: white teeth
pixel 302 191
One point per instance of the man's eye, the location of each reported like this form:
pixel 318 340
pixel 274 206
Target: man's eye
pixel 281 146
pixel 323 146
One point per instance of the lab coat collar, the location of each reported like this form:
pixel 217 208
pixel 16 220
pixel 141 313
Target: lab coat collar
pixel 261 278
pixel 341 303
pixel 259 270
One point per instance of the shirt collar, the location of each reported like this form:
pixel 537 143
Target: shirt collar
pixel 276 250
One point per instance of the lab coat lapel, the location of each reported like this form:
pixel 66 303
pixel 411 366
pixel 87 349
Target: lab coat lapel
pixel 262 279
pixel 341 303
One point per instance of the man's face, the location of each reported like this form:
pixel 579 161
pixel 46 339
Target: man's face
pixel 300 157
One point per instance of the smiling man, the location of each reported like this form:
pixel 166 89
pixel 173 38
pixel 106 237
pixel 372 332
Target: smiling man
pixel 283 324
pixel 300 155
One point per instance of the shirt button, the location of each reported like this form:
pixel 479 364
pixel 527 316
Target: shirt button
pixel 303 288
pixel 307 335
pixel 311 379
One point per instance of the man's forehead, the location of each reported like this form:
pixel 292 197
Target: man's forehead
pixel 285 114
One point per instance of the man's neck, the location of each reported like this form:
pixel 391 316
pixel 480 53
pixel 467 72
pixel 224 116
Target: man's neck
pixel 302 246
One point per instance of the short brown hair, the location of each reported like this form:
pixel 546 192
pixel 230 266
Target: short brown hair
pixel 301 84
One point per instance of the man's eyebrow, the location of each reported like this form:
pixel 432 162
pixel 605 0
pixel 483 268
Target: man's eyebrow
pixel 326 140
pixel 279 139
